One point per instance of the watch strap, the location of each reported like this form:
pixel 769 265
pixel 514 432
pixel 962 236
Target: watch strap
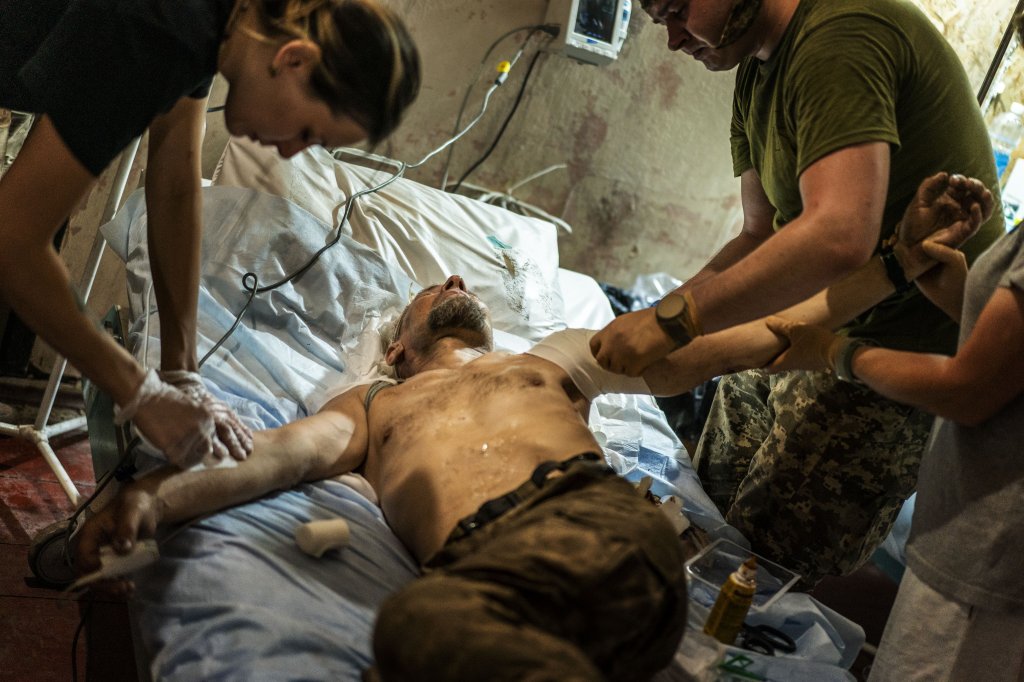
pixel 843 364
pixel 683 327
pixel 894 271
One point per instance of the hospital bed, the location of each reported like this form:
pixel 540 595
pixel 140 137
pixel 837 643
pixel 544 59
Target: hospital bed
pixel 232 596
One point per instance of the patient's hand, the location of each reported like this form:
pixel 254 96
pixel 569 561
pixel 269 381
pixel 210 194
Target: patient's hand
pixel 944 284
pixel 134 514
pixel 946 210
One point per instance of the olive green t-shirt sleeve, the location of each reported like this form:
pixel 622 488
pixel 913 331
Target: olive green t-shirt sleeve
pixel 740 144
pixel 839 89
pixel 842 84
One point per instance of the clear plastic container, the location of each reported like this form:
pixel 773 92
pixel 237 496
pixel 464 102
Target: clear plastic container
pixel 1006 131
pixel 712 566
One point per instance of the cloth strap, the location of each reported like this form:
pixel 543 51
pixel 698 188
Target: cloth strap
pixel 374 389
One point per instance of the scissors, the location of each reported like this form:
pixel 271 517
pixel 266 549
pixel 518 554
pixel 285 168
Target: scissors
pixel 764 639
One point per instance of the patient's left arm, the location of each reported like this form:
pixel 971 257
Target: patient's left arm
pixel 329 443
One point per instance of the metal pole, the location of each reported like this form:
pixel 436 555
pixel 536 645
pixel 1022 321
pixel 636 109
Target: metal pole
pixel 997 61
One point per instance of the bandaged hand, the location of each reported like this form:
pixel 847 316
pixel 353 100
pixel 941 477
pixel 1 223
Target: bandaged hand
pixel 811 347
pixel 231 437
pixel 173 422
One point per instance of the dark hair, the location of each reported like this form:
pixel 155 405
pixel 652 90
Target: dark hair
pixel 369 67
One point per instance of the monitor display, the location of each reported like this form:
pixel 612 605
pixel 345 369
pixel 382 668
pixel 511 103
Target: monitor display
pixel 596 19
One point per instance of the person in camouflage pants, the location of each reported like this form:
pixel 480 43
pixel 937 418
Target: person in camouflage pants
pixel 811 469
pixel 582 580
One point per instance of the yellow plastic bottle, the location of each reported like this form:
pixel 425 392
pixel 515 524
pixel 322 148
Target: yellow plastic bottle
pixel 734 599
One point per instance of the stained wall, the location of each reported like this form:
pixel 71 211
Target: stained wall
pixel 648 181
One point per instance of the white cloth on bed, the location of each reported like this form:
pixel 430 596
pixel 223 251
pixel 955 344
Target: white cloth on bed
pixel 510 260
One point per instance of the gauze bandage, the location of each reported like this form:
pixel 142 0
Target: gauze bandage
pixel 570 350
pixel 316 537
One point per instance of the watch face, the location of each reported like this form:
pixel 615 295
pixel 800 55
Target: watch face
pixel 670 306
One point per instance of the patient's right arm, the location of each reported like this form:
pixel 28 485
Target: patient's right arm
pixel 329 443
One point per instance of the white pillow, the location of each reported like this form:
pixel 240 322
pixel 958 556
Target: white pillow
pixel 509 260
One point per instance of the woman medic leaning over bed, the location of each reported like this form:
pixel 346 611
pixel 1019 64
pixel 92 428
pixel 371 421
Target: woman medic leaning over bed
pixel 99 73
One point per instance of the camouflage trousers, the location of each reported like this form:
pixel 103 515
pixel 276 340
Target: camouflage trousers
pixel 582 581
pixel 812 470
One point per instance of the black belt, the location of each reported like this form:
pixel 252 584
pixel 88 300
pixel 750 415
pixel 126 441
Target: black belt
pixel 492 509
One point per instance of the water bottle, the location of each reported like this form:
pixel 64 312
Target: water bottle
pixel 1006 132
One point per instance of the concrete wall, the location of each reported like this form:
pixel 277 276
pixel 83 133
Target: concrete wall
pixel 648 183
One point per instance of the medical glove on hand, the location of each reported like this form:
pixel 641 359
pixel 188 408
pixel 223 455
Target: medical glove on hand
pixel 631 343
pixel 232 437
pixel 174 423
pixel 811 347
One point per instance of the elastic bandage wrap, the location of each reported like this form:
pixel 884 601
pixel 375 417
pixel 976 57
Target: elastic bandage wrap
pixel 570 350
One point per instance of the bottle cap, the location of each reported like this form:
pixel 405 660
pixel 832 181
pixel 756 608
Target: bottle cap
pixel 748 571
pixel 1017 108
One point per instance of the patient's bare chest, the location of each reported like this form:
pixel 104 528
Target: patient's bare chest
pixel 479 394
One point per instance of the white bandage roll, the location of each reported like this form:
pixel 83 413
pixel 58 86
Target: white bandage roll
pixel 570 350
pixel 316 537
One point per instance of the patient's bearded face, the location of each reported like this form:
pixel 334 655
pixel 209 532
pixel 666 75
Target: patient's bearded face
pixel 460 312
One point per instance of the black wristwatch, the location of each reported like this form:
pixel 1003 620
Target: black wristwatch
pixel 669 313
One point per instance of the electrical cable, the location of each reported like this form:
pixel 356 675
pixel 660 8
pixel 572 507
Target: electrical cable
pixel 504 125
pixel 551 29
pixel 250 281
pixel 74 641
pixel 113 473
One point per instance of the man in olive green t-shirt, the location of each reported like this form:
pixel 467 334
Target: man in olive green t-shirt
pixel 841 108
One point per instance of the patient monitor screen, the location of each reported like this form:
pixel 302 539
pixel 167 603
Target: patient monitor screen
pixel 596 19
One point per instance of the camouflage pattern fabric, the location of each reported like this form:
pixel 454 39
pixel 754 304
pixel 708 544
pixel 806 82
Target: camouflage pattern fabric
pixel 811 469
pixel 582 581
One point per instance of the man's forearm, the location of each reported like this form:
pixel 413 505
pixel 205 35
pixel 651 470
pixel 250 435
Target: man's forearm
pixel 751 345
pixel 275 464
pixel 735 250
pixel 783 274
